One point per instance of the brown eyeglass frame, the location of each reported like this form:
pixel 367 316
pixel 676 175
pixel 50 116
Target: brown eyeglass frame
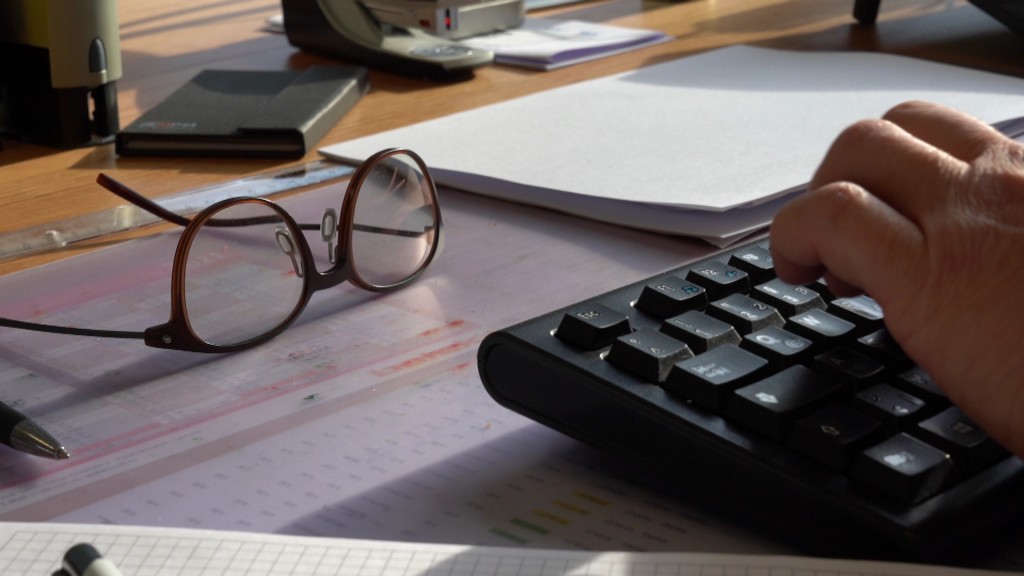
pixel 177 334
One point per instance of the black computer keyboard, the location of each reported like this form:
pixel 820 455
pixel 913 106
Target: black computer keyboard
pixel 789 406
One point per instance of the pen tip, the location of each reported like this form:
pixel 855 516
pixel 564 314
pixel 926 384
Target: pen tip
pixel 61 453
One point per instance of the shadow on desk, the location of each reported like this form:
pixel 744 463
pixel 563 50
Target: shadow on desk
pixel 583 500
pixel 535 488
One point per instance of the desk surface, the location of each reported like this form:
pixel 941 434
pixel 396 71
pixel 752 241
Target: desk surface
pixel 162 46
pixel 243 474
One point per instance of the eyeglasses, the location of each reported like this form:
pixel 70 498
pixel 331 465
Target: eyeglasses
pixel 243 270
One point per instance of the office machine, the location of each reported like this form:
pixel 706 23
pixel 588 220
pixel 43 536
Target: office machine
pixel 396 42
pixel 59 63
pixel 1008 12
pixel 456 22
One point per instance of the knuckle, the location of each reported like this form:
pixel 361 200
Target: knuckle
pixel 863 133
pixel 999 178
pixel 908 108
pixel 838 197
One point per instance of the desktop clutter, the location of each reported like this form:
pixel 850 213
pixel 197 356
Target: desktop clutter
pixel 47 85
pixel 756 96
pixel 52 62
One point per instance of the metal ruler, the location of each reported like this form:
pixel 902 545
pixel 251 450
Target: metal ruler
pixel 57 235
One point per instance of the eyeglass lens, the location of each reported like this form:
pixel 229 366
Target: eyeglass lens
pixel 243 281
pixel 394 226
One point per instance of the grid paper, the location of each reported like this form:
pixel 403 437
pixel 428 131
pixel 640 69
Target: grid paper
pixel 37 549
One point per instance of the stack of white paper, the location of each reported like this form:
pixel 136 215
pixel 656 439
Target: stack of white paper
pixel 545 44
pixel 705 146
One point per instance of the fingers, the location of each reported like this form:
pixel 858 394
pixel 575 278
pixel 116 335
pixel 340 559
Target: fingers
pixel 903 171
pixel 850 233
pixel 961 136
pixel 877 196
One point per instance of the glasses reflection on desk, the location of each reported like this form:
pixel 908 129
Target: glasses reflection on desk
pixel 244 270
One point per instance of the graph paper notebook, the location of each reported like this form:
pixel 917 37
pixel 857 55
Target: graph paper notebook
pixel 36 549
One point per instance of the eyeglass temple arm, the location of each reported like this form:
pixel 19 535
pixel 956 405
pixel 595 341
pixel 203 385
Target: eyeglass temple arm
pixel 411 228
pixel 159 211
pixel 21 325
pixel 140 200
pixel 136 199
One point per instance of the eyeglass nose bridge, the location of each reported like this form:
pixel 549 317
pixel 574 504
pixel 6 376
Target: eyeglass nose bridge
pixel 329 233
pixel 287 245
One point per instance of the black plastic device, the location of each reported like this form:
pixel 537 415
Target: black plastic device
pixel 1009 12
pixel 347 30
pixel 782 405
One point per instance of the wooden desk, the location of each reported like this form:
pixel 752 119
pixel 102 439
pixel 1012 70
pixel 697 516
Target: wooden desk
pixel 163 44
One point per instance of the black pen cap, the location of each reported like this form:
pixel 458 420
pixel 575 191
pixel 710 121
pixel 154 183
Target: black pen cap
pixel 84 560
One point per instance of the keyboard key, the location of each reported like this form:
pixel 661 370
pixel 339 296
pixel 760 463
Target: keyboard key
pixel 837 411
pixel 745 313
pixel 699 331
pixel 854 369
pixel 821 287
pixel 647 354
pixel 834 435
pixel 719 279
pixel 671 296
pixel 820 327
pixel 771 405
pixel 919 383
pixel 903 467
pixel 709 379
pixel 755 261
pixel 895 408
pixel 779 347
pixel 881 345
pixel 861 310
pixel 971 449
pixel 790 300
pixel 592 326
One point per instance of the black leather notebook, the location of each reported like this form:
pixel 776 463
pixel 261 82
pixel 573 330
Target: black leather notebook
pixel 246 113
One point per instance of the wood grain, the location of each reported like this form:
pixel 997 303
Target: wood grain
pixel 165 43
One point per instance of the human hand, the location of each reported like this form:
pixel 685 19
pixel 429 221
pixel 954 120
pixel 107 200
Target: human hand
pixel 924 211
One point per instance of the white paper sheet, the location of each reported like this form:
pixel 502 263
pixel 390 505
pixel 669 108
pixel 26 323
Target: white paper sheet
pixel 546 44
pixel 710 136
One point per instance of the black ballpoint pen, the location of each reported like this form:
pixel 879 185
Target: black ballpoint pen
pixel 22 434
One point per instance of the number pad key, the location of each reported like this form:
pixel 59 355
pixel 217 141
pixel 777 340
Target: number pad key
pixel 700 331
pixel 592 326
pixel 719 279
pixel 820 327
pixel 893 407
pixel 755 261
pixel 771 405
pixel 745 313
pixel 834 435
pixel 969 446
pixel 778 346
pixel 647 353
pixel 790 300
pixel 904 468
pixel 671 296
pixel 709 379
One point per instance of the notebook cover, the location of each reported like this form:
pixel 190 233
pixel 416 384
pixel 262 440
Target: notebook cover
pixel 246 113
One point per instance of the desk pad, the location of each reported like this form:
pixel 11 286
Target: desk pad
pixel 365 419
